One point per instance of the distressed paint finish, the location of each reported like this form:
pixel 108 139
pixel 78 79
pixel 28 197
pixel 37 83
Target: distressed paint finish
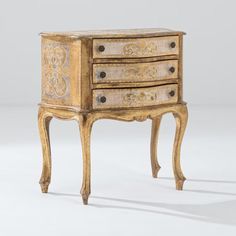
pixel 55 65
pixel 136 97
pixel 138 86
pixel 86 121
pixel 135 72
pixel 59 77
pixel 140 47
pixel 153 146
pixel 118 33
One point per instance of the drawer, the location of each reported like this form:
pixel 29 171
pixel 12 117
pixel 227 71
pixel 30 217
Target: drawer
pixel 135 72
pixel 133 48
pixel 135 97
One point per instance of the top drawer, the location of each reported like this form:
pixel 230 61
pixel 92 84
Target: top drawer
pixel 134 48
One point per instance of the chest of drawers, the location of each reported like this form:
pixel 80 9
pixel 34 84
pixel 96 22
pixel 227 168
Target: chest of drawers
pixel 125 75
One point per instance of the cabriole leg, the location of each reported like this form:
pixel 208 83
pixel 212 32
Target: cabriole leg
pixel 44 119
pixel 85 124
pixel 153 147
pixel 181 119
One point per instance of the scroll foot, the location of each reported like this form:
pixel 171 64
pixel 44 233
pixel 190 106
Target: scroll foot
pixel 180 183
pixel 44 187
pixel 85 198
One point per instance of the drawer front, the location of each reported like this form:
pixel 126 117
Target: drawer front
pixel 135 72
pixel 135 97
pixel 133 48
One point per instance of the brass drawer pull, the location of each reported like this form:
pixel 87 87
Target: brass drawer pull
pixel 172 69
pixel 101 48
pixel 103 74
pixel 172 45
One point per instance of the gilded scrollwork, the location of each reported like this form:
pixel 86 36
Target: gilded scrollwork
pixel 139 73
pixel 55 73
pixel 141 118
pixel 136 97
pixel 135 72
pixel 134 49
pixel 139 97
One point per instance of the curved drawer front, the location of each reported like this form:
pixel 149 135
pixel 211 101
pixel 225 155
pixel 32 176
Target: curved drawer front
pixel 135 72
pixel 133 48
pixel 137 97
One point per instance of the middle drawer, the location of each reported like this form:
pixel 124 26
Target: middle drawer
pixel 135 72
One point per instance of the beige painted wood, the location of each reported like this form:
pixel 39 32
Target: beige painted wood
pixel 140 47
pixel 118 33
pixel 60 63
pixel 135 72
pixel 137 97
pixel 136 87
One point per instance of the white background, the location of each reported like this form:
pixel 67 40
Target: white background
pixel 125 199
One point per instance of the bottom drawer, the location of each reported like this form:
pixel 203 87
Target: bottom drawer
pixel 135 97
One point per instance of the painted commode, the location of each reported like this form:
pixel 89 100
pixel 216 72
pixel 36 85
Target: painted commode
pixel 124 75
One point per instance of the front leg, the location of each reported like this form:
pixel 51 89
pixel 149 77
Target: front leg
pixel 44 119
pixel 181 118
pixel 153 146
pixel 85 124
